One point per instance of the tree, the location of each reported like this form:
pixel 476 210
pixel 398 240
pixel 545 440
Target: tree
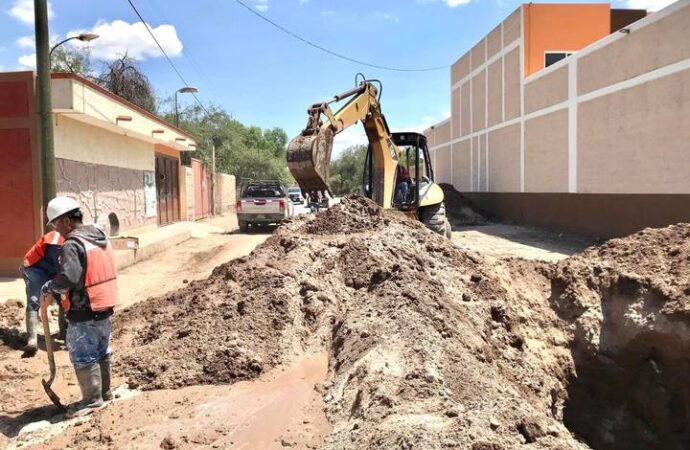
pixel 123 77
pixel 246 152
pixel 347 170
pixel 74 60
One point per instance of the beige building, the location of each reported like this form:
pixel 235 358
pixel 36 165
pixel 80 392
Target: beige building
pixel 575 117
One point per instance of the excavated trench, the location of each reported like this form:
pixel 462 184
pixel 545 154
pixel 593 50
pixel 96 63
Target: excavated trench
pixel 434 347
pixel 630 312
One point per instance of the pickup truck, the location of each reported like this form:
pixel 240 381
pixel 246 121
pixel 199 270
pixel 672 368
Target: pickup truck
pixel 262 203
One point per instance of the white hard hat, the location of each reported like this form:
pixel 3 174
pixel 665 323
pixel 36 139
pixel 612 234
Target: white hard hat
pixel 59 206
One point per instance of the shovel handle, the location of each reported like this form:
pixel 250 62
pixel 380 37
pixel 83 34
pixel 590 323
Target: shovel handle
pixel 48 339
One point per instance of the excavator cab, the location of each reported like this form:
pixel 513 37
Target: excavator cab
pixel 414 175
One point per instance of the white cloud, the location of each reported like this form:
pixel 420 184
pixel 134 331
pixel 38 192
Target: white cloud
pixel 23 11
pixel 26 42
pixel 327 13
pixel 650 5
pixel 302 2
pixel 27 62
pixel 352 136
pixel 261 5
pixel 450 3
pixel 119 37
pixel 387 16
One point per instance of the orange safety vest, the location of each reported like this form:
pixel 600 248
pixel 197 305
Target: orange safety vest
pixel 38 250
pixel 100 279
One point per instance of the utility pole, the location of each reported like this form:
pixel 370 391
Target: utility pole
pixel 213 175
pixel 44 100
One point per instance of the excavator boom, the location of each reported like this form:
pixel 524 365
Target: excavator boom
pixel 309 154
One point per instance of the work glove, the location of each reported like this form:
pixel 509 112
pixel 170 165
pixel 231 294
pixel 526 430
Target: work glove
pixel 46 288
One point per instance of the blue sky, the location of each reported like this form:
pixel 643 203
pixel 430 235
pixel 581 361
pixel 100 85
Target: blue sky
pixel 261 75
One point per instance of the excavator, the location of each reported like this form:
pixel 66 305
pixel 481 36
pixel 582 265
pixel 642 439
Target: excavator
pixel 397 172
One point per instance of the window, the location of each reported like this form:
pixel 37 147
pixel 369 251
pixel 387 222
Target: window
pixel 551 58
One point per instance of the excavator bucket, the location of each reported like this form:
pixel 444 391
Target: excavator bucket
pixel 309 158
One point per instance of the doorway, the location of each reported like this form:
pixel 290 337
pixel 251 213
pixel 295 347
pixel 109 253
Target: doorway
pixel 167 192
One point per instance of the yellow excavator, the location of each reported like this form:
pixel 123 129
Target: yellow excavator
pixel 397 169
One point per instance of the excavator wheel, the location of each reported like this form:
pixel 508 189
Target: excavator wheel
pixel 434 218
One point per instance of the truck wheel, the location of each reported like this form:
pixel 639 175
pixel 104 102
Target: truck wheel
pixel 244 226
pixel 434 218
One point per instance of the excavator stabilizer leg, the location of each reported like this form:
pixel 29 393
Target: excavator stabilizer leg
pixel 309 158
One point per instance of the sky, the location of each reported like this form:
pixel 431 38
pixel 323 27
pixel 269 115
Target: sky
pixel 261 75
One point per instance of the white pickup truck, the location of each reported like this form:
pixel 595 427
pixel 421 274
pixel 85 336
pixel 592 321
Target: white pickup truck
pixel 262 203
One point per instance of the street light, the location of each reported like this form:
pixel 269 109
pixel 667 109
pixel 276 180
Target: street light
pixel 84 37
pixel 184 90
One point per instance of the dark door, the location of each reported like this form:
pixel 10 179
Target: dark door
pixel 167 189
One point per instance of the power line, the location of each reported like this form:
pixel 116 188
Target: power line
pixel 331 52
pixel 153 36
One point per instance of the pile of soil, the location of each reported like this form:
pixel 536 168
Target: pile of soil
pixel 460 211
pixel 11 324
pixel 434 347
pixel 430 347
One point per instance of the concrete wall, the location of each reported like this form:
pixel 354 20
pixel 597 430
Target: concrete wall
pixel 103 190
pixel 20 166
pixel 609 120
pixel 225 195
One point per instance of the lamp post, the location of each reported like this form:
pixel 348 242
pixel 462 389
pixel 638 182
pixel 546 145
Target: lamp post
pixel 184 90
pixel 84 37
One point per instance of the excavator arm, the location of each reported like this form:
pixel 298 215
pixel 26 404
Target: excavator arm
pixel 309 154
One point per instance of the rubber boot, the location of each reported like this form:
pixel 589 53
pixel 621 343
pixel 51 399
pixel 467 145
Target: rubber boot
pixel 106 373
pixel 90 384
pixel 31 329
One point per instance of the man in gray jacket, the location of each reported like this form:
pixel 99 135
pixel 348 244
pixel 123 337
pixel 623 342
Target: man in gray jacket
pixel 87 279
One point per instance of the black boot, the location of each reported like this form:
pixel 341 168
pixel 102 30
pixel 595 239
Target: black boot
pixel 106 373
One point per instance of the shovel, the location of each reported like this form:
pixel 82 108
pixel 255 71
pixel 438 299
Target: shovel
pixel 51 359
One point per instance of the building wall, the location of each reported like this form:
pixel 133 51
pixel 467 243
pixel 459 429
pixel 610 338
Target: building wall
pixel 609 120
pixel 225 195
pixel 103 190
pixel 83 142
pixel 19 156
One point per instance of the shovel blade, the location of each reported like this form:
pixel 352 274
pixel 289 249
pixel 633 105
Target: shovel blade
pixel 53 396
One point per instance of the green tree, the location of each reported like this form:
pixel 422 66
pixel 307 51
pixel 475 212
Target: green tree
pixel 246 152
pixel 347 170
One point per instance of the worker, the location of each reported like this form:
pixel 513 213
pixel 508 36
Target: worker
pixel 403 184
pixel 88 281
pixel 40 265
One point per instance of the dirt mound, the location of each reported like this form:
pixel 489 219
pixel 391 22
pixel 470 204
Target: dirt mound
pixel 461 212
pixel 430 347
pixel 359 215
pixel 434 347
pixel 628 303
pixel 11 323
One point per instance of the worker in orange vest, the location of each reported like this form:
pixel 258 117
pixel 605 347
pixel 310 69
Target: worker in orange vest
pixel 87 278
pixel 40 265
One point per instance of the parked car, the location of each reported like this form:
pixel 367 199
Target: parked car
pixel 262 203
pixel 295 194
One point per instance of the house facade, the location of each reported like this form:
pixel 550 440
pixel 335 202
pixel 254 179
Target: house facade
pixel 119 161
